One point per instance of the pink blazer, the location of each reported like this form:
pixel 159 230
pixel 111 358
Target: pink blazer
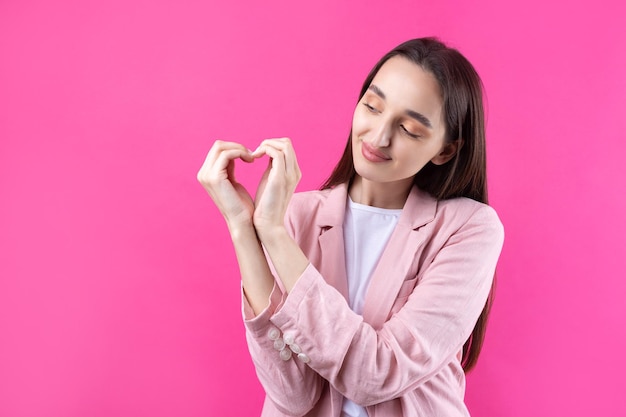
pixel 402 356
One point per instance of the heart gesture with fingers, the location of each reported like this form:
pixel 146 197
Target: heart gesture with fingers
pixel 267 211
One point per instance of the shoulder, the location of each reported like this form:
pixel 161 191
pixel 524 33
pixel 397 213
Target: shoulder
pixel 466 207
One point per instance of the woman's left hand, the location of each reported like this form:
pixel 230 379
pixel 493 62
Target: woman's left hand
pixel 277 185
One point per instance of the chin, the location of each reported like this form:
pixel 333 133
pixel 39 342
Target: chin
pixel 369 174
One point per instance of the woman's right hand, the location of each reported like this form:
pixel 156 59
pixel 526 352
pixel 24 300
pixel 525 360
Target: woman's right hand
pixel 217 176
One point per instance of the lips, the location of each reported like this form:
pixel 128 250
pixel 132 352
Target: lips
pixel 373 154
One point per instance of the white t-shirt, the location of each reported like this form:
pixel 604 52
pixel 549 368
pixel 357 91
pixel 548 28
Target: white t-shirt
pixel 366 231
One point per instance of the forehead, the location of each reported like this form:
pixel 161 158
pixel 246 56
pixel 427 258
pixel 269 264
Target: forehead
pixel 408 85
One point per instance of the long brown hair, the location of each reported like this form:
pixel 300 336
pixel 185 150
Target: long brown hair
pixel 465 175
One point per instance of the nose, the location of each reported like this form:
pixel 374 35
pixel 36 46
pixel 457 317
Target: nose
pixel 381 137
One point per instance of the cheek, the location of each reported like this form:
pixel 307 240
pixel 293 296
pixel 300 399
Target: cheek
pixel 413 158
pixel 358 122
pixel 356 149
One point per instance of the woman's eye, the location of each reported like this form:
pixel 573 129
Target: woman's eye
pixel 370 107
pixel 405 130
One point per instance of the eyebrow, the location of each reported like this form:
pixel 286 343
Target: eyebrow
pixel 411 113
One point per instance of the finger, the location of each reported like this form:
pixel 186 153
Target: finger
pixel 285 146
pixel 223 165
pixel 277 143
pixel 226 158
pixel 277 159
pixel 291 161
pixel 220 146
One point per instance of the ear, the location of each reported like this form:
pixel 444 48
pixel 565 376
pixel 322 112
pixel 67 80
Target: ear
pixel 447 152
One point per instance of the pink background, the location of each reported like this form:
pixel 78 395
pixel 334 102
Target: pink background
pixel 119 292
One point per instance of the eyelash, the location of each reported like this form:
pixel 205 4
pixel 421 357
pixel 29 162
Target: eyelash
pixel 370 107
pixel 412 135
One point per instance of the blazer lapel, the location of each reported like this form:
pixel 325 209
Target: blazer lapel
pixel 396 259
pixel 332 260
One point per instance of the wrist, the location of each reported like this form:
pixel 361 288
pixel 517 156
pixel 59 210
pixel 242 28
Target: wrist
pixel 240 230
pixel 271 235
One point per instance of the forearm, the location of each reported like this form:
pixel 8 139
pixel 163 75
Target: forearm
pixel 274 372
pixel 287 258
pixel 256 277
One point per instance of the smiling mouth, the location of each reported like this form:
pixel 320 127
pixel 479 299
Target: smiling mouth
pixel 372 154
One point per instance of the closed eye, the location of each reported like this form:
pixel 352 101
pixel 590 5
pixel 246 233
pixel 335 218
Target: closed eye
pixel 405 130
pixel 371 108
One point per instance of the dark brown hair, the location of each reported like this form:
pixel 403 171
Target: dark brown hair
pixel 465 175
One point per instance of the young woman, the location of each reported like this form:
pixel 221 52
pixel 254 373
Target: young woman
pixel 370 296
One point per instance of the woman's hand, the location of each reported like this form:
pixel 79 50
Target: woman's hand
pixel 217 176
pixel 277 185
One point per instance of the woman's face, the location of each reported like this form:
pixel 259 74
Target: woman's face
pixel 398 125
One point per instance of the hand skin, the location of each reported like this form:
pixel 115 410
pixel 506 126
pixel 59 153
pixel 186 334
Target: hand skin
pixel 252 224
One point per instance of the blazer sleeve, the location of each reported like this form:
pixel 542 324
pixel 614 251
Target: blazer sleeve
pixel 371 366
pixel 290 384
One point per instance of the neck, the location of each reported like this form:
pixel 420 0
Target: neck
pixel 389 195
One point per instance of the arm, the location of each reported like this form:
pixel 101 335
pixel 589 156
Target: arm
pixel 260 293
pixel 217 176
pixel 371 366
